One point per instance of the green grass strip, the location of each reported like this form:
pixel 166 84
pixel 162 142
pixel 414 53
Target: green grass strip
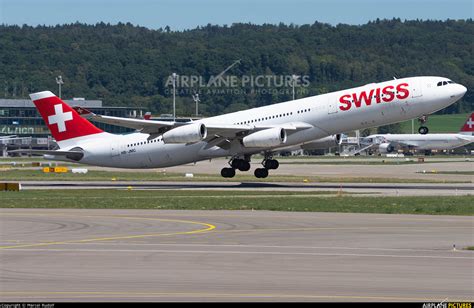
pixel 236 200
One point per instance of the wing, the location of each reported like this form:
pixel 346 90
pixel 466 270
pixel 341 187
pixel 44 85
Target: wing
pixel 221 135
pixel 151 127
pixel 218 134
pixel 74 155
pixel 405 144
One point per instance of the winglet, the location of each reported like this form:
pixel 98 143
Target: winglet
pixel 83 112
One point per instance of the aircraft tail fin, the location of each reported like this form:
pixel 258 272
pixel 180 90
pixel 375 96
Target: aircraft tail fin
pixel 468 128
pixel 63 121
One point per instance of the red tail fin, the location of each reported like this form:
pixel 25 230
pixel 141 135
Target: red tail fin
pixel 63 122
pixel 468 125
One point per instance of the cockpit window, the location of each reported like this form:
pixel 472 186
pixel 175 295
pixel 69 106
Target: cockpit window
pixel 443 83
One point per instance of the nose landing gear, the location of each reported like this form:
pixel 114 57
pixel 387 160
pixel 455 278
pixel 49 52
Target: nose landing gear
pixel 423 129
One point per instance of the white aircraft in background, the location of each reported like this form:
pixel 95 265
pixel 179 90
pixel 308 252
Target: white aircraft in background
pixel 240 134
pixel 388 143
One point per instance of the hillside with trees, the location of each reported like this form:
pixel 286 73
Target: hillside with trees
pixel 128 65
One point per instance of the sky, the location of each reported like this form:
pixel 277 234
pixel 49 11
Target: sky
pixel 188 14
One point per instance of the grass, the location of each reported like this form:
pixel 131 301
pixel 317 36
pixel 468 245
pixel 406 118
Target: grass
pixel 236 200
pixel 11 174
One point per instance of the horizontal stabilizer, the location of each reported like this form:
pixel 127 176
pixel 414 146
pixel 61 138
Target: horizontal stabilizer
pixel 73 155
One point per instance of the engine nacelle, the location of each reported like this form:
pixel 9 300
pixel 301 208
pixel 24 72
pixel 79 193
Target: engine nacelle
pixel 323 143
pixel 267 138
pixel 386 148
pixel 186 134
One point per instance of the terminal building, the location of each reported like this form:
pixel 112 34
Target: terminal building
pixel 21 126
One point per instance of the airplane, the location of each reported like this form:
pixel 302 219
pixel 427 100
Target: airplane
pixel 239 135
pixel 388 143
pixel 7 137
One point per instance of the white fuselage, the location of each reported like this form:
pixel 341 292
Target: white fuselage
pixel 328 114
pixel 423 142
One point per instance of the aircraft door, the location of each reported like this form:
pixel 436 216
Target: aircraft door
pixel 331 103
pixel 114 149
pixel 416 89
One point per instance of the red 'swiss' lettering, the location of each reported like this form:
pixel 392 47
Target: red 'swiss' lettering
pixel 388 94
pixel 403 92
pixel 377 95
pixel 385 94
pixel 363 96
pixel 345 100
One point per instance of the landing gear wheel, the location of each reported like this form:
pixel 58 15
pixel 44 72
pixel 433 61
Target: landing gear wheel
pixel 271 164
pixel 240 164
pixel 423 130
pixel 261 173
pixel 244 166
pixel 228 172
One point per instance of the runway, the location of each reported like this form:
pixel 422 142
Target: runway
pixel 374 189
pixel 141 255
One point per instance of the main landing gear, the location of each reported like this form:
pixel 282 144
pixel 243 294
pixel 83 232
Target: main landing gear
pixel 236 163
pixel 244 165
pixel 268 164
pixel 423 129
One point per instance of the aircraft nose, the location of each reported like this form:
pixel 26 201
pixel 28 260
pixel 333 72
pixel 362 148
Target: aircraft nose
pixel 460 90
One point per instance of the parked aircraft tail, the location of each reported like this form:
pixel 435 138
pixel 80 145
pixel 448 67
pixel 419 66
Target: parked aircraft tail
pixel 468 128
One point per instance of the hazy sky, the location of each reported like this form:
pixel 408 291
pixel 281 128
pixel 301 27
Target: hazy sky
pixel 188 14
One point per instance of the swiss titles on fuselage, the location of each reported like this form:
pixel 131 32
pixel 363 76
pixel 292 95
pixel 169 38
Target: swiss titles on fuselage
pixel 378 95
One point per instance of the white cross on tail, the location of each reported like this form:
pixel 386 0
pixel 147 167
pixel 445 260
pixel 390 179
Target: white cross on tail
pixel 470 122
pixel 60 118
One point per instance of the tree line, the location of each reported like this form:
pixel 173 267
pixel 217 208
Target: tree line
pixel 230 67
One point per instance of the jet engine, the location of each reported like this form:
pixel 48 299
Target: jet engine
pixel 267 138
pixel 386 148
pixel 323 143
pixel 186 134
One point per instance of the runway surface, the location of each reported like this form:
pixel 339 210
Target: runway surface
pixel 142 255
pixel 341 167
pixel 372 189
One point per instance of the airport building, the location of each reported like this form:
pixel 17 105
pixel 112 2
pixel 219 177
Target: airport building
pixel 19 118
